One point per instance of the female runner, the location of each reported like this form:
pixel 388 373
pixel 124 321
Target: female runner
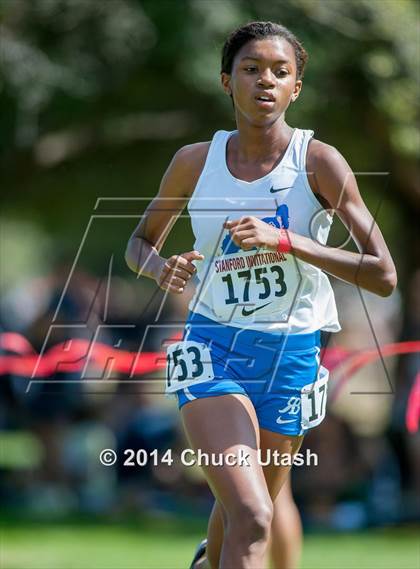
pixel 247 374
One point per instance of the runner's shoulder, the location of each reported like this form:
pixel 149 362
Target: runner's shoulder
pixel 322 156
pixel 193 152
pixel 329 167
pixel 189 163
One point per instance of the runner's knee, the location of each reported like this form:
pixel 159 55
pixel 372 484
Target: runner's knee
pixel 251 522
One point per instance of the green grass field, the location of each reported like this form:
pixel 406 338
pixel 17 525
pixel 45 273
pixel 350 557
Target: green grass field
pixel 163 544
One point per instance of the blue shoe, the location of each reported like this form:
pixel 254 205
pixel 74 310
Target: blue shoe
pixel 199 552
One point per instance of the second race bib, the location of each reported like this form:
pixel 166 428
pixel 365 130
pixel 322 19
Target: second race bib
pixel 314 400
pixel 188 363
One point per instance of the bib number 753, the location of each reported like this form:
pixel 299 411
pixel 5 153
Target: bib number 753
pixel 188 363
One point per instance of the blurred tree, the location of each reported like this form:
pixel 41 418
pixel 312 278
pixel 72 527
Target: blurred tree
pixel 76 49
pixel 96 96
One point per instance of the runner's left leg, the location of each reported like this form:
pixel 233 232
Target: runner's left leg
pixel 286 531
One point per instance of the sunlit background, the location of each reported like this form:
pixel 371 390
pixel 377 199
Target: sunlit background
pixel 95 98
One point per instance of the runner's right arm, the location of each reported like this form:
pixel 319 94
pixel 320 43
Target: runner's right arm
pixel 142 253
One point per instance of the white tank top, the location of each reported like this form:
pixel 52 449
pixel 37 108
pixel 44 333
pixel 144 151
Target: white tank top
pixel 260 289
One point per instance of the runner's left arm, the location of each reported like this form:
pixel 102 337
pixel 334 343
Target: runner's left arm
pixel 372 268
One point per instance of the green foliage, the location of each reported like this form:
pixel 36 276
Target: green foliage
pixel 96 96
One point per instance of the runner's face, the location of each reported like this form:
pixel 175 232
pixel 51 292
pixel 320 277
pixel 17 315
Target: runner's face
pixel 263 80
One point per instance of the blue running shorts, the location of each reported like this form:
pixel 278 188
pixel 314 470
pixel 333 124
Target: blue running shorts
pixel 281 374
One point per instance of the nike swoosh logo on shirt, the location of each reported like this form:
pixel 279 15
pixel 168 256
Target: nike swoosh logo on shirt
pixel 246 312
pixel 274 190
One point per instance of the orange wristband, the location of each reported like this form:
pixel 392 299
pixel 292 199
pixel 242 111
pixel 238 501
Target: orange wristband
pixel 283 245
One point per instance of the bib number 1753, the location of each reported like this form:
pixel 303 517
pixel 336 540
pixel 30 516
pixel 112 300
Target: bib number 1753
pixel 269 284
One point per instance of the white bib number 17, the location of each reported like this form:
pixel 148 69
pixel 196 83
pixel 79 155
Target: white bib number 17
pixel 314 400
pixel 188 363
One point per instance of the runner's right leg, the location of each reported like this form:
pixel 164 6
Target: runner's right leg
pixel 286 533
pixel 228 424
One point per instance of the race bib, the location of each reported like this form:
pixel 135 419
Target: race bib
pixel 251 285
pixel 314 400
pixel 187 363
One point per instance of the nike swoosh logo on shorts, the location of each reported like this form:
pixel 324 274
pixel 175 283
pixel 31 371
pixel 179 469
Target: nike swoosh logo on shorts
pixel 280 421
pixel 274 190
pixel 246 312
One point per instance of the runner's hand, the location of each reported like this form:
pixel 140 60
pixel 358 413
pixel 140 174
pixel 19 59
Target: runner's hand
pixel 177 271
pixel 249 232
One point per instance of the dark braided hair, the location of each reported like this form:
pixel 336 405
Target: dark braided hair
pixel 259 31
